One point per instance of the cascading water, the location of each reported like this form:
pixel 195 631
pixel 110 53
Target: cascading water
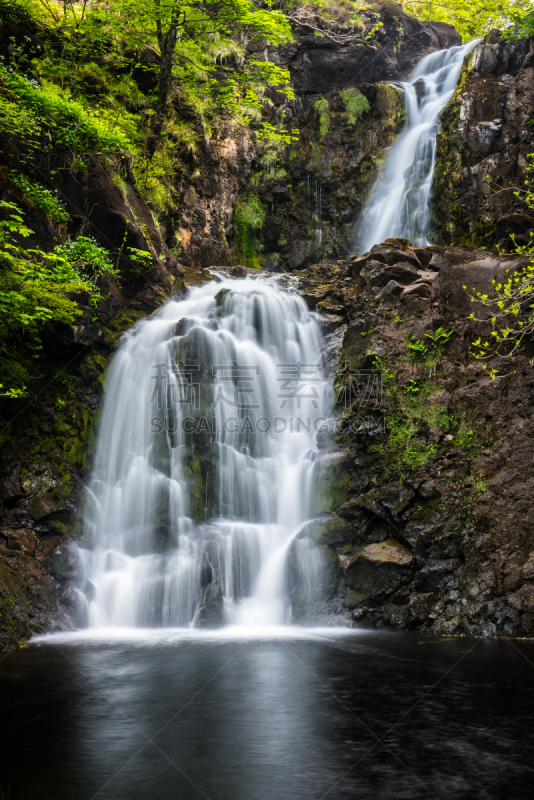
pixel 205 462
pixel 399 205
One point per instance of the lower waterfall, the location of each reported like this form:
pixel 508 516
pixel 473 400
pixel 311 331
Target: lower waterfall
pixel 399 205
pixel 204 463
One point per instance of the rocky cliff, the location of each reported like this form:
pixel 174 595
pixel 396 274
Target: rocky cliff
pixel 486 136
pixel 424 497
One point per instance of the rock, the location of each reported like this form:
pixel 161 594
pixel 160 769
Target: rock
pixel 390 257
pixel 379 569
pixel 391 293
pixel 427 276
pixel 318 67
pixel 211 614
pixel 219 298
pixel 428 490
pixel 435 576
pixel 22 539
pixel 424 255
pixel 473 269
pixel 418 290
pixel 387 502
pixel 483 142
pixel 330 530
pixel 62 561
pixel 402 273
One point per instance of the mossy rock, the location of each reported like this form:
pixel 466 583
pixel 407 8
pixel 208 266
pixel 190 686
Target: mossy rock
pixel 331 486
pixel 331 531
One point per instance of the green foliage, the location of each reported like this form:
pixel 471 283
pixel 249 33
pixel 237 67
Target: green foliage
pixel 510 310
pixel 140 259
pixel 404 448
pixel 322 112
pixel 71 126
pixel 249 217
pixel 523 25
pixel 472 18
pixel 252 212
pixel 440 338
pixel 35 288
pixel 479 483
pixel 416 348
pixel 41 198
pixel 83 256
pixel 356 104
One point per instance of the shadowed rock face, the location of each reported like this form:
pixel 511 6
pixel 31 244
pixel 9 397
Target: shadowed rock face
pixel 317 66
pixel 483 146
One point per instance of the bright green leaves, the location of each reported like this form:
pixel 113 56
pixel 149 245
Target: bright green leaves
pixel 40 197
pixel 34 286
pixel 472 18
pixel 356 104
pixel 70 125
pixel 322 112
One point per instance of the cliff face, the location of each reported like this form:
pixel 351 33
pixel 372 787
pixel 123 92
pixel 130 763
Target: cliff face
pixel 485 137
pixel 424 498
pixel 312 196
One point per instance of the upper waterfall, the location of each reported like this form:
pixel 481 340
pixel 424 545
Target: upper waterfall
pixel 205 460
pixel 399 204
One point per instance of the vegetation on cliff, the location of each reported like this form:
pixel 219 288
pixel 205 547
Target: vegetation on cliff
pixel 474 19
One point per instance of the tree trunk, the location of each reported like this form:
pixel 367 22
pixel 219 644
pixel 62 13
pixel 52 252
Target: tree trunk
pixel 167 47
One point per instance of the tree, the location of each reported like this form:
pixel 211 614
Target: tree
pixel 191 35
pixel 471 18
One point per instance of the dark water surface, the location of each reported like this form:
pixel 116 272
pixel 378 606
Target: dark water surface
pixel 360 715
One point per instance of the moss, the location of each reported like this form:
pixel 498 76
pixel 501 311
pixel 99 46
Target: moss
pixel 331 485
pixel 119 325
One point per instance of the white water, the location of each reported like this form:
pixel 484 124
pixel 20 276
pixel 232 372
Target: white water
pixel 399 205
pixel 151 563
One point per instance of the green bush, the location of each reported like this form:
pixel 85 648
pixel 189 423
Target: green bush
pixel 35 287
pixel 252 212
pixel 356 104
pixel 43 199
pixel 71 126
pixel 322 112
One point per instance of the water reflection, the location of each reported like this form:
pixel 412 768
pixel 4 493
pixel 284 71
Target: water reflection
pixel 309 716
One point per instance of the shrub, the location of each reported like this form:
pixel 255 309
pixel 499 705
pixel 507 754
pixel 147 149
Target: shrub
pixel 356 104
pixel 252 212
pixel 43 199
pixel 69 123
pixel 322 112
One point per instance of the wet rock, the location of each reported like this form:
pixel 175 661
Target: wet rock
pixel 428 490
pixel 220 296
pixel 387 502
pixel 483 142
pixel 22 539
pixel 331 531
pixel 211 614
pixel 62 561
pixel 379 569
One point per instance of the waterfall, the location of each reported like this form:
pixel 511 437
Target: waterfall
pixel 399 205
pixel 205 460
